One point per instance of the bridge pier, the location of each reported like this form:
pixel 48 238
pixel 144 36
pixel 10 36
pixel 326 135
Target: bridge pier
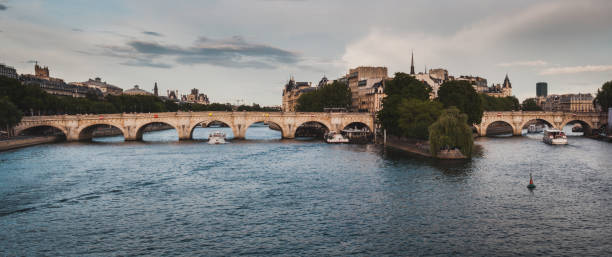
pixel 517 131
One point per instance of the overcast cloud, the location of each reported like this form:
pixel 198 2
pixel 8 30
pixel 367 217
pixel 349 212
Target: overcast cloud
pixel 246 50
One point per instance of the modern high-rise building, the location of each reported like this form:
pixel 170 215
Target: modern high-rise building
pixel 541 89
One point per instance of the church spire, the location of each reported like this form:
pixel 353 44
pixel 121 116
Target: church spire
pixel 412 64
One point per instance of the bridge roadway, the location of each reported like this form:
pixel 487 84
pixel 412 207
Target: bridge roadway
pixel 519 120
pixel 81 127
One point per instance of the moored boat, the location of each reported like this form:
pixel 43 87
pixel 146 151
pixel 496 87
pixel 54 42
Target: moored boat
pixel 554 137
pixel 335 138
pixel 216 137
pixel 533 128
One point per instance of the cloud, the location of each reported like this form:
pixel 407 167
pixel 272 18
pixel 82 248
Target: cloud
pixel 152 33
pixel 517 33
pixel 77 30
pixel 146 63
pixel 232 52
pixel 523 64
pixel 31 61
pixel 576 69
pixel 3 7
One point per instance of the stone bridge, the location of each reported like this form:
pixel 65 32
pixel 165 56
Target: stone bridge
pixel 518 120
pixel 81 127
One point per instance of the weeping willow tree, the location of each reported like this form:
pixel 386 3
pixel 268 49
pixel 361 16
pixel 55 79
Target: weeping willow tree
pixel 451 131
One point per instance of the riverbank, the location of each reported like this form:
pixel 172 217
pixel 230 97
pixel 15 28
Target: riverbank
pixel 19 142
pixel 421 148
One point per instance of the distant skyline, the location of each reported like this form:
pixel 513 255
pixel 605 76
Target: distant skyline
pixel 246 50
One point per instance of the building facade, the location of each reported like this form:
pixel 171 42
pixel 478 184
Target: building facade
pixel 195 97
pixel 97 83
pixel 8 71
pixel 292 91
pixel 136 91
pixel 55 86
pixel 499 90
pixel 375 96
pixel 361 80
pixel 569 103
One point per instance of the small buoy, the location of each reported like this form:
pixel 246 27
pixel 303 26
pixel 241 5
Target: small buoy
pixel 531 185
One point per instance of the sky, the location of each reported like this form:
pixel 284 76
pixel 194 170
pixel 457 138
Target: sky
pixel 245 51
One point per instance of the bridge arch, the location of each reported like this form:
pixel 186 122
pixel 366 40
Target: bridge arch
pixel 21 130
pixel 358 125
pixel 141 128
pixel 86 132
pixel 207 122
pixel 489 127
pixel 326 125
pixel 548 122
pixel 279 125
pixel 587 126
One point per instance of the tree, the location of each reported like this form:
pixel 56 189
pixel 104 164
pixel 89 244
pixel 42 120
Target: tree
pixel 530 104
pixel 401 87
pixel 335 95
pixel 499 104
pixel 451 131
pixel 463 96
pixel 10 115
pixel 416 116
pixel 604 96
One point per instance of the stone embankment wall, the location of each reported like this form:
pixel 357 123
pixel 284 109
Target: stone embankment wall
pixel 15 143
pixel 421 147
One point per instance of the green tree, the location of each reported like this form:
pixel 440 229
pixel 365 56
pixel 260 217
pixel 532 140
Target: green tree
pixel 463 96
pixel 335 95
pixel 499 104
pixel 416 116
pixel 401 87
pixel 604 96
pixel 10 115
pixel 530 104
pixel 451 131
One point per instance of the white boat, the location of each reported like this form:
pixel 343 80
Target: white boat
pixel 217 137
pixel 335 138
pixel 554 137
pixel 534 128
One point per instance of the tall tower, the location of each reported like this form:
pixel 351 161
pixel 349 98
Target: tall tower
pixel 507 83
pixel 155 91
pixel 412 64
pixel 541 89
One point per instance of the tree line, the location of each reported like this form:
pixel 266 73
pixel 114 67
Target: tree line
pixel 335 95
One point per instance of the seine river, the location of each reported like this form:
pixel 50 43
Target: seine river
pixel 303 198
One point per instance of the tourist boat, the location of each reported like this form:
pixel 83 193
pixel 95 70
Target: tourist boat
pixel 335 138
pixel 534 129
pixel 554 137
pixel 357 136
pixel 217 137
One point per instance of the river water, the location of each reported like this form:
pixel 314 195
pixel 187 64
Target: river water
pixel 302 198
